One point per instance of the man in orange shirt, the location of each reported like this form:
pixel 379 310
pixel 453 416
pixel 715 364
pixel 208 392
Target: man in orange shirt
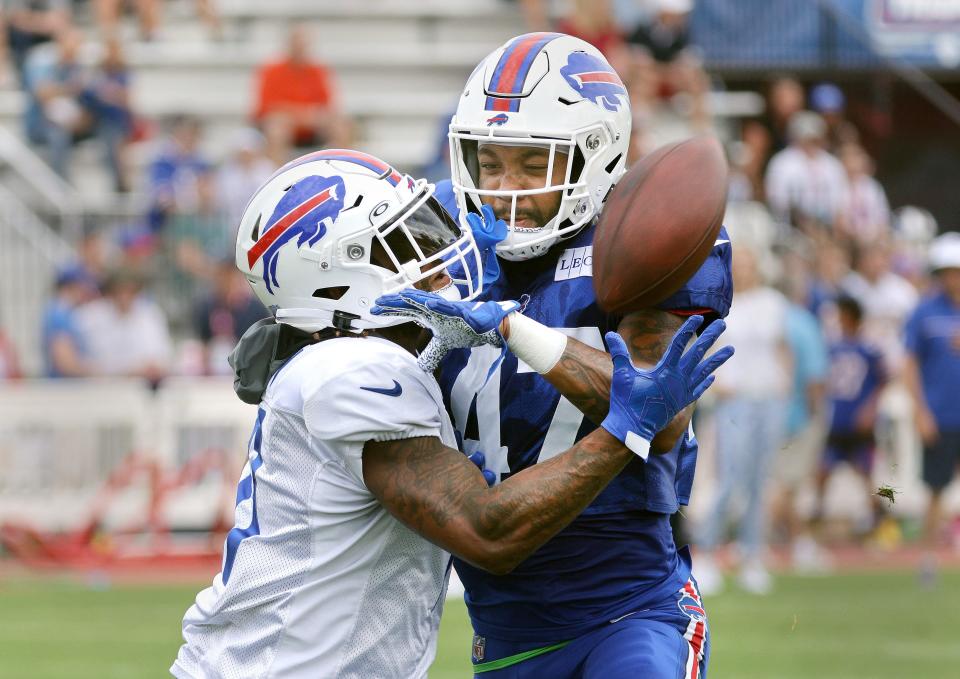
pixel 297 103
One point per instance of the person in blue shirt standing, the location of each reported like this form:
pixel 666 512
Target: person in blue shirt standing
pixel 932 374
pixel 64 348
pixel 539 139
pixel 796 461
pixel 857 377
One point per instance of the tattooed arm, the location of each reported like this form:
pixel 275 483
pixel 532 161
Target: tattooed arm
pixel 583 373
pixel 439 494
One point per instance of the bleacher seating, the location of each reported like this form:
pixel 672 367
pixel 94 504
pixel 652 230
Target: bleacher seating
pixel 420 53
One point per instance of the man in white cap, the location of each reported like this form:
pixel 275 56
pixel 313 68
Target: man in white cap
pixel 932 375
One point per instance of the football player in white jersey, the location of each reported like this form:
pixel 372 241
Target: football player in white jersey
pixel 354 491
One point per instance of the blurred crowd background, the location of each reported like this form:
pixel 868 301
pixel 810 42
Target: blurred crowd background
pixel 132 134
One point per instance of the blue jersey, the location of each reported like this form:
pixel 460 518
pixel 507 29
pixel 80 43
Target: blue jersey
pixel 619 555
pixel 856 373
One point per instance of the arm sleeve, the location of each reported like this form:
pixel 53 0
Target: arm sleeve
pixel 711 287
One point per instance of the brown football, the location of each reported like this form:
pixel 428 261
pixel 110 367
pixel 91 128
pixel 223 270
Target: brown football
pixel 659 224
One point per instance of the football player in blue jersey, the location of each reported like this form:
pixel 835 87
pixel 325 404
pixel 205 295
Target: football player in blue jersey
pixel 539 138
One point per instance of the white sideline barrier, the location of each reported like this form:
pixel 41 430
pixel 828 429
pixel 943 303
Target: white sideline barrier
pixel 61 439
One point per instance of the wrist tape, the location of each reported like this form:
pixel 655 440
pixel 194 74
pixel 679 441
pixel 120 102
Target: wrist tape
pixel 535 344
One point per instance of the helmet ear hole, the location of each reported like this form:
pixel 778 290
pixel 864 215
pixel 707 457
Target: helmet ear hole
pixel 576 168
pixel 334 293
pixel 612 165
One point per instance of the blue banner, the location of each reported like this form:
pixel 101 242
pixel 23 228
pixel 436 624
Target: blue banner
pixel 834 34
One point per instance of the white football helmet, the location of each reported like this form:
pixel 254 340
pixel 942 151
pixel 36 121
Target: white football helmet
pixel 330 232
pixel 552 91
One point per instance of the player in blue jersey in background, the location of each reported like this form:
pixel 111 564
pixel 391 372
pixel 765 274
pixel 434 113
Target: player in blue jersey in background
pixel 541 136
pixel 857 376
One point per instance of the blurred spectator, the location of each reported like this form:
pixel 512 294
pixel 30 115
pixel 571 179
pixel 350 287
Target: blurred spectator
pixel 752 391
pixel 784 98
pixel 64 348
pixel 805 185
pixel 831 268
pixel 796 462
pixel 240 175
pixel 664 64
pixel 9 364
pixel 740 187
pixel 748 158
pixel 149 16
pixel 179 174
pixel 827 99
pixel 108 16
pixel 93 255
pixel 222 316
pixel 932 374
pixel 887 299
pixel 197 239
pixel 867 214
pixel 913 230
pixel 535 15
pixel 125 332
pixel 593 21
pixel 107 97
pixel 30 23
pixel 55 82
pixel 296 101
pixel 857 377
pixel 666 37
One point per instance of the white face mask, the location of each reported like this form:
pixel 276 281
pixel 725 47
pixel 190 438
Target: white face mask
pixel 450 293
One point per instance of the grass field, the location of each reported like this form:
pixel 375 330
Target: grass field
pixel 836 627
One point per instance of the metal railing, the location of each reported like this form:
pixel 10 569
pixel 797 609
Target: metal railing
pixel 30 252
pixel 58 196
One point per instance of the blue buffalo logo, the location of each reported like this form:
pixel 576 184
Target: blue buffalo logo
pixel 498 119
pixel 692 608
pixel 593 79
pixel 306 210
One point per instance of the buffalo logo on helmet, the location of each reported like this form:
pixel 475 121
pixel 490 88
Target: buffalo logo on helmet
pixel 692 608
pixel 593 79
pixel 305 211
pixel 498 119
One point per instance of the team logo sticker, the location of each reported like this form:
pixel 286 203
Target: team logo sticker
pixel 306 211
pixel 498 119
pixel 479 648
pixel 692 608
pixel 593 79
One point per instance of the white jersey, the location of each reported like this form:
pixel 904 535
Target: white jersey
pixel 318 579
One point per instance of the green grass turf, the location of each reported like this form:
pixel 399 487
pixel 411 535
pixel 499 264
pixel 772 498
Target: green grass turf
pixel 863 626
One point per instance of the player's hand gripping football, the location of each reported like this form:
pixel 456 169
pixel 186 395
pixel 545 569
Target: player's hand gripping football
pixel 642 402
pixel 455 325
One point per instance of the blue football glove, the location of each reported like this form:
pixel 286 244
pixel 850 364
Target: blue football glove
pixel 488 231
pixel 455 325
pixel 642 402
pixel 480 460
